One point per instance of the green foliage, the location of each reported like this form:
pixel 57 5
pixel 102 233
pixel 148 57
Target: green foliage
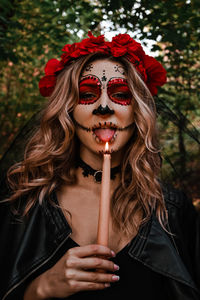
pixel 31 33
pixel 175 26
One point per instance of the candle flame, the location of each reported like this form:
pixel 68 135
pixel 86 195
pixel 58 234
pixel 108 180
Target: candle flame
pixel 106 146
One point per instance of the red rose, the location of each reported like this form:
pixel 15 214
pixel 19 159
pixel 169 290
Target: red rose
pixel 46 85
pixel 122 39
pixel 123 44
pixel 118 46
pixel 68 51
pixel 136 49
pixel 96 40
pixel 68 48
pixel 93 44
pixel 51 66
pixel 79 52
pixel 138 64
pixel 118 51
pixel 156 74
pixel 65 58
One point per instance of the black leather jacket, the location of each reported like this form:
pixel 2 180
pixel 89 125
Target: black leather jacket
pixel 30 247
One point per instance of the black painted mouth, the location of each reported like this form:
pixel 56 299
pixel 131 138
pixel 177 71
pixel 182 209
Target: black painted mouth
pixel 105 125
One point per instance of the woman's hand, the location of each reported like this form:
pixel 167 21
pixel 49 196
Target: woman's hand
pixel 76 271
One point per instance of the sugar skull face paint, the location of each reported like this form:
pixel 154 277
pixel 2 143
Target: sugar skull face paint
pixel 89 90
pixel 117 90
pixel 105 109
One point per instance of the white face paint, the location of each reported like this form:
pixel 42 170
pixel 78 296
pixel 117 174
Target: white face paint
pixel 105 103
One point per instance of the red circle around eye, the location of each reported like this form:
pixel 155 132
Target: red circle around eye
pixel 89 90
pixel 119 93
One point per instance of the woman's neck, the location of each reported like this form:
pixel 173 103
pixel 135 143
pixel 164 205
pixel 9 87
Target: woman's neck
pixel 95 160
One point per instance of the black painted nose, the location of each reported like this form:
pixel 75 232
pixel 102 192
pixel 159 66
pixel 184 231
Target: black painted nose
pixel 103 111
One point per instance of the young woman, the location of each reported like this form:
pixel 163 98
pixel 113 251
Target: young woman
pixel 99 91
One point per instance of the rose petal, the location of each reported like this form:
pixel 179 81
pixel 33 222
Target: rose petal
pixel 51 66
pixel 46 85
pixel 156 74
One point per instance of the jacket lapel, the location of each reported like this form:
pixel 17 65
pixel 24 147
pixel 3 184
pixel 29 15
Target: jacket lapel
pixel 155 249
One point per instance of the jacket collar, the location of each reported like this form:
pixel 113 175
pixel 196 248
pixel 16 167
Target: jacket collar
pixel 154 248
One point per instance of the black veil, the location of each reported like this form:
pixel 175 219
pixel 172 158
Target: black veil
pixel 15 151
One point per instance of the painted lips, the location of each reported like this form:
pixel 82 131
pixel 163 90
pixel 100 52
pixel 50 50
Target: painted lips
pixel 105 134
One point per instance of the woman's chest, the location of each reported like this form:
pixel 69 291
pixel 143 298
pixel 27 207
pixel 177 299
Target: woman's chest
pixel 82 211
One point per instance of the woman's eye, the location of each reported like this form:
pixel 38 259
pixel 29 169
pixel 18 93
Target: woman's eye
pixel 121 95
pixel 87 96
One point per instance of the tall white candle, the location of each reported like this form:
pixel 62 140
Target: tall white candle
pixel 104 205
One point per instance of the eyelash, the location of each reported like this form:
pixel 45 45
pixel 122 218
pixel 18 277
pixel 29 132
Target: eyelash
pixel 125 100
pixel 85 99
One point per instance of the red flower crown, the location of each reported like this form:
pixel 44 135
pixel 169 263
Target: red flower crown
pixel 152 72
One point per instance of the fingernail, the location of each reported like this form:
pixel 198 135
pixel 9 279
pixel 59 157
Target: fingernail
pixel 107 284
pixel 115 277
pixel 113 253
pixel 116 267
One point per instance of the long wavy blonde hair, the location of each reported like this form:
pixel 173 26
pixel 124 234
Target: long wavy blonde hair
pixel 51 153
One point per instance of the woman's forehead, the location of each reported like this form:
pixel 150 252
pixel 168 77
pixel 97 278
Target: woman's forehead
pixel 104 68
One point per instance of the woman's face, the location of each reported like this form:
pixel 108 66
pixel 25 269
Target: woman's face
pixel 105 109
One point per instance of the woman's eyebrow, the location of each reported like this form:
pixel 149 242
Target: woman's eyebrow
pixel 117 82
pixel 88 83
pixel 90 80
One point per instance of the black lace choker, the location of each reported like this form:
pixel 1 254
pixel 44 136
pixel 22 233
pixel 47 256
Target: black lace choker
pixel 97 174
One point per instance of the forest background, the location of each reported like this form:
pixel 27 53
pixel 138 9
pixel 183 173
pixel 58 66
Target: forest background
pixel 32 32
